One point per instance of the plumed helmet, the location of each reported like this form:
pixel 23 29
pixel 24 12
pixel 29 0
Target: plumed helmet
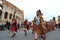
pixel 39 12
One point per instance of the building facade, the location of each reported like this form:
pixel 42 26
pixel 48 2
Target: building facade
pixel 8 11
pixel 58 19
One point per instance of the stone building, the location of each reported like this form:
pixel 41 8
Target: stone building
pixel 58 19
pixel 9 11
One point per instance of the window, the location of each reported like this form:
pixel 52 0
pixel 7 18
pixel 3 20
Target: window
pixel 10 17
pixel 14 14
pixel 1 7
pixel 0 14
pixel 6 15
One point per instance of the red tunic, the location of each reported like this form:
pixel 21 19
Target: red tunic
pixel 14 25
pixel 26 24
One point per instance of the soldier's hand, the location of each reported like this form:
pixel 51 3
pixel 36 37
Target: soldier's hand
pixel 44 27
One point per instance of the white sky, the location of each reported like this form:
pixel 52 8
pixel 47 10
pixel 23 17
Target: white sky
pixel 49 8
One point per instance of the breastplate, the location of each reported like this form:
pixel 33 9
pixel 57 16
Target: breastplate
pixel 37 22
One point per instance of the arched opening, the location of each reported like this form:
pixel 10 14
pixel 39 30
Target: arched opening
pixel 1 7
pixel 6 15
pixel 10 17
pixel 0 14
pixel 14 14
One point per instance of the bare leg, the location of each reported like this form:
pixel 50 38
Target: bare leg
pixel 25 32
pixel 13 34
pixel 43 37
pixel 35 36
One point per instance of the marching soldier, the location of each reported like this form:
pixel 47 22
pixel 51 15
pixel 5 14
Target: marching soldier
pixel 8 25
pixel 14 27
pixel 54 23
pixel 39 25
pixel 26 26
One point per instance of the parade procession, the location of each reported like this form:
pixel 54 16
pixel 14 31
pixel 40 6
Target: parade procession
pixel 38 26
pixel 29 20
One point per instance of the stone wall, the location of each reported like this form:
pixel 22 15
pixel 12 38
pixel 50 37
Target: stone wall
pixel 11 9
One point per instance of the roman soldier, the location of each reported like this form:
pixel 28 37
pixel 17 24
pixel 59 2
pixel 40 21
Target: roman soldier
pixel 39 25
pixel 8 25
pixel 14 27
pixel 33 25
pixel 26 26
pixel 53 23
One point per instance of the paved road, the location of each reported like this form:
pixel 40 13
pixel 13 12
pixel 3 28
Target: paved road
pixel 52 35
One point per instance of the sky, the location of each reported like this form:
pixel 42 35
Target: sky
pixel 49 8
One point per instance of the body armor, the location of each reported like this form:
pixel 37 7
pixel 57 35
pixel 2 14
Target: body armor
pixel 37 22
